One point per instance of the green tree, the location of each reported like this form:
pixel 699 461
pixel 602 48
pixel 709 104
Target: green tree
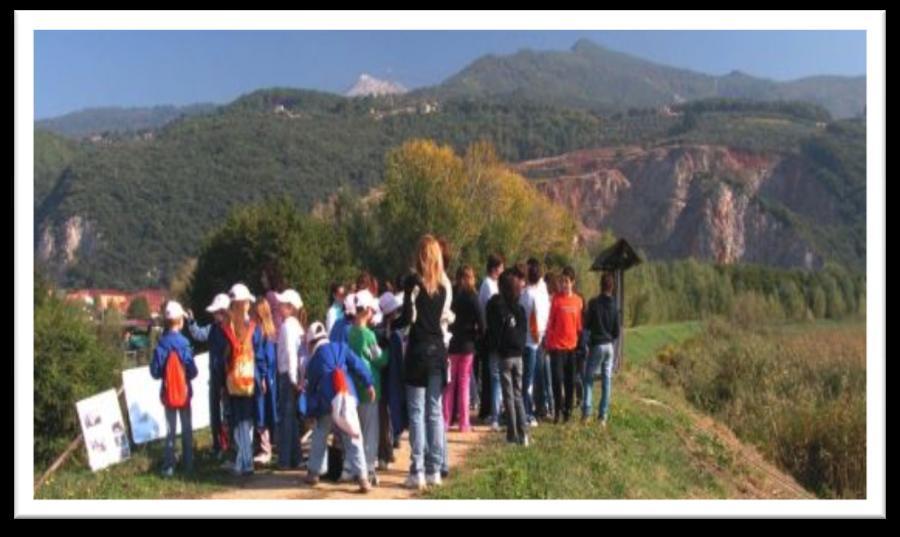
pixel 139 308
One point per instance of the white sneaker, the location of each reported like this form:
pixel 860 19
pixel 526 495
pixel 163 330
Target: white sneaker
pixel 262 458
pixel 495 426
pixel 533 422
pixel 526 441
pixel 415 482
pixel 433 480
pixel 346 477
pixel 168 472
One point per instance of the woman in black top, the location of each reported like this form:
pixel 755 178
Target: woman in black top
pixel 506 330
pixel 466 328
pixel 424 364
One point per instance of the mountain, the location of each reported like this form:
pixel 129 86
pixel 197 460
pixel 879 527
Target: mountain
pixel 596 77
pixel 96 121
pixel 369 85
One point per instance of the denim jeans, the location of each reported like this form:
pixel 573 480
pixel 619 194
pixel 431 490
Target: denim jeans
pixel 243 439
pixel 543 384
pixel 426 426
pixel 496 393
pixel 354 457
pixel 602 356
pixel 187 438
pixel 288 427
pixel 529 363
pixel 368 421
pixel 511 378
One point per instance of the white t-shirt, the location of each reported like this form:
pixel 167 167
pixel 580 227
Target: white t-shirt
pixel 488 289
pixel 290 346
pixel 537 299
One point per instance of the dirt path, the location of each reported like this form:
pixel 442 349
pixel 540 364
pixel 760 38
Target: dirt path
pixel 272 484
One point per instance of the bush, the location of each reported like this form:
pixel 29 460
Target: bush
pixel 70 363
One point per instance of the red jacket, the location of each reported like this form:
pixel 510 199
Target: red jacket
pixel 564 324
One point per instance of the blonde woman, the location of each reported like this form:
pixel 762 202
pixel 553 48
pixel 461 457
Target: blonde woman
pixel 424 364
pixel 266 386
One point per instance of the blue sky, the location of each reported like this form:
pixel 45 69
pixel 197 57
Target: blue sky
pixel 80 69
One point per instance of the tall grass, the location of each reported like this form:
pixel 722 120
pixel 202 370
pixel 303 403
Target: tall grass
pixel 798 393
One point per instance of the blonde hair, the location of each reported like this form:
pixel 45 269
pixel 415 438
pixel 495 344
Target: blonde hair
pixel 264 312
pixel 430 263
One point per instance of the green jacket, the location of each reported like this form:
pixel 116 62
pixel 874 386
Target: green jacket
pixel 361 339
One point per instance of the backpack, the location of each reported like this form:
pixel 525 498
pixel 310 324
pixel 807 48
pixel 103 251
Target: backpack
pixel 241 366
pixel 175 391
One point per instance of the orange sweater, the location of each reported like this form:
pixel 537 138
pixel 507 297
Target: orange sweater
pixel 564 323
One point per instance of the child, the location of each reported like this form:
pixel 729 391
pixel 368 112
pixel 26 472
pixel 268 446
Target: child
pixel 173 363
pixel 506 332
pixel 601 332
pixel 466 329
pixel 323 386
pixel 390 305
pixel 266 390
pixel 561 340
pixel 244 358
pixel 336 310
pixel 341 328
pixel 364 343
pixel 214 335
pixel 290 339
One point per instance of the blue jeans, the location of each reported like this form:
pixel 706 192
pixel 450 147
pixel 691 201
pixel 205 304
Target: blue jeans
pixel 543 384
pixel 354 458
pixel 529 362
pixel 288 427
pixel 496 392
pixel 187 439
pixel 602 356
pixel 243 439
pixel 426 425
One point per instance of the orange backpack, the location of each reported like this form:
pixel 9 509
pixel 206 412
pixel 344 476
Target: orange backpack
pixel 241 370
pixel 175 394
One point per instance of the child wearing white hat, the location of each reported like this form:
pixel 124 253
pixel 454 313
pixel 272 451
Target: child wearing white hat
pixel 288 350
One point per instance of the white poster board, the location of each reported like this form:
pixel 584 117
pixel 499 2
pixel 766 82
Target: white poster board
pixel 145 411
pixel 103 430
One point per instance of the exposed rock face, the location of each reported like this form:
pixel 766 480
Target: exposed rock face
pixel 707 202
pixel 60 246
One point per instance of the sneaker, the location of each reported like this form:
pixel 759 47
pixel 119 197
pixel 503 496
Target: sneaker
pixel 168 472
pixel 445 474
pixel 262 458
pixel 373 479
pixel 603 422
pixel 532 422
pixel 245 473
pixel 383 465
pixel 364 485
pixel 526 441
pixel 495 426
pixel 227 465
pixel 311 479
pixel 345 477
pixel 433 480
pixel 415 482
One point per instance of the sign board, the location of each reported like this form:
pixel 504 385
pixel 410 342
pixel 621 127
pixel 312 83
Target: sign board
pixel 103 430
pixel 145 411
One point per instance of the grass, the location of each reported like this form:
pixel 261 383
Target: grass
pixel 139 477
pixel 796 392
pixel 649 450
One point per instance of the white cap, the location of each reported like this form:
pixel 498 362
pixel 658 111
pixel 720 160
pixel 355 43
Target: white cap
pixel 350 304
pixel 174 310
pixel 289 296
pixel 219 303
pixel 365 299
pixel 316 331
pixel 239 291
pixel 389 303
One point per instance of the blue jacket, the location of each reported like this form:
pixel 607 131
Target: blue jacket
pixel 170 341
pixel 327 359
pixel 340 332
pixel 215 339
pixel 266 368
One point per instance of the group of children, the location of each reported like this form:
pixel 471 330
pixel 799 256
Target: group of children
pixel 383 364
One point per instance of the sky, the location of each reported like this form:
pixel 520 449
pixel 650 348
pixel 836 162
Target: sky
pixel 89 68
